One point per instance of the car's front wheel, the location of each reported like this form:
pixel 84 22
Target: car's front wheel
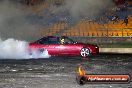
pixel 85 52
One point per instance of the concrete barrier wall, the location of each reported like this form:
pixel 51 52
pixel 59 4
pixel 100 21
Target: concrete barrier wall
pixel 115 50
pixel 101 39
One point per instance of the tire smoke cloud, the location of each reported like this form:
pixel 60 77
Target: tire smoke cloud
pixel 79 9
pixel 13 22
pixel 16 49
pixel 88 8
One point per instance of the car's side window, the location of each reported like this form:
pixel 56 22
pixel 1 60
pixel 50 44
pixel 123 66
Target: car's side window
pixel 53 40
pixel 48 41
pixel 68 41
pixel 43 41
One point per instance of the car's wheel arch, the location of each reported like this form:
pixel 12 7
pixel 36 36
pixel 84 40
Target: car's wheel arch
pixel 87 48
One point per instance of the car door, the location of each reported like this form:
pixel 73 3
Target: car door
pixel 53 45
pixel 49 43
pixel 69 47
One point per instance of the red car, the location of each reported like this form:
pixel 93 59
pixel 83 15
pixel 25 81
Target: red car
pixel 64 46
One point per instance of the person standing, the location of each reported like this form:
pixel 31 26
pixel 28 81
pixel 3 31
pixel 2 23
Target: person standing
pixel 125 21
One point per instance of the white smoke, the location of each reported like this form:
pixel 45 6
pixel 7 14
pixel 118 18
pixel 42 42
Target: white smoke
pixel 14 22
pixel 15 49
pixel 79 9
pixel 88 8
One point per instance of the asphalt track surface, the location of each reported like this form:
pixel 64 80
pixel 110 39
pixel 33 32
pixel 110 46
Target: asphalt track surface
pixel 61 71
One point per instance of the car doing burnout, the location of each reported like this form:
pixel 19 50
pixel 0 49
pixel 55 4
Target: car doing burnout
pixel 54 46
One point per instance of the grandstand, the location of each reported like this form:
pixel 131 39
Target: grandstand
pixel 94 29
pixel 53 29
pixel 84 27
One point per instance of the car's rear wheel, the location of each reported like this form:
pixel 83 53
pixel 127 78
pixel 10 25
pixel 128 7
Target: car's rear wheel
pixel 85 52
